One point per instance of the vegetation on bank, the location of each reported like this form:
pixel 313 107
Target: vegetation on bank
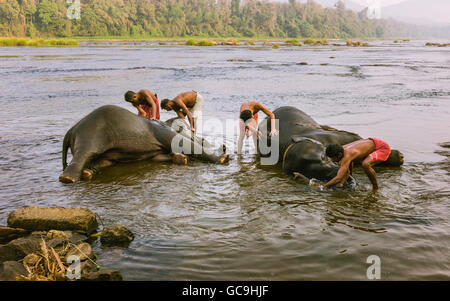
pixel 188 18
pixel 36 42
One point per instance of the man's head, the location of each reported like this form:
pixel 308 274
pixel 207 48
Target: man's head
pixel 166 105
pixel 246 115
pixel 130 96
pixel 335 152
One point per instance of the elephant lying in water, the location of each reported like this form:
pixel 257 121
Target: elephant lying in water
pixel 302 144
pixel 111 134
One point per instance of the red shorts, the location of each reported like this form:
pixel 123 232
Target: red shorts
pixel 382 150
pixel 253 123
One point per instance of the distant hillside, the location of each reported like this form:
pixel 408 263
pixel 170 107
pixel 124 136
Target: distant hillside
pixel 205 18
pixel 429 12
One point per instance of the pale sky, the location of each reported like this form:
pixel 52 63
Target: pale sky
pixel 382 2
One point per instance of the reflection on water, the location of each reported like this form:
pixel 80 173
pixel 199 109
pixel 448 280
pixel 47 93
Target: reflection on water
pixel 242 221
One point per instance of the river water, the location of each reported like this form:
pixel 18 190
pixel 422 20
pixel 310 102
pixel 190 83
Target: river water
pixel 243 221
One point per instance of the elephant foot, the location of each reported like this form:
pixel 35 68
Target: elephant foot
pixel 66 179
pixel 224 159
pixel 87 174
pixel 179 159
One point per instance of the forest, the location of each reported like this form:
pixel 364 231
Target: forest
pixel 185 18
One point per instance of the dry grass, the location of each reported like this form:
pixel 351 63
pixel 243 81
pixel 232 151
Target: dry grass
pixel 49 266
pixel 22 42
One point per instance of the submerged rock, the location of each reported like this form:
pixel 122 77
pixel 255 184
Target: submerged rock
pixel 54 218
pixel 116 234
pixel 9 270
pixel 103 275
pixel 82 250
pixel 7 234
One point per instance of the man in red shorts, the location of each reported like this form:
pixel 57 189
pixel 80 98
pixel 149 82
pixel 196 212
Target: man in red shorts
pixel 145 102
pixel 248 122
pixel 369 152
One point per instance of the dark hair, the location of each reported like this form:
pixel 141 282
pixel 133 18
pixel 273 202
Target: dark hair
pixel 164 102
pixel 246 115
pixel 129 95
pixel 333 150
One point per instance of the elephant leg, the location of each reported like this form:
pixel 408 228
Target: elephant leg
pixel 175 158
pixel 72 172
pixel 88 173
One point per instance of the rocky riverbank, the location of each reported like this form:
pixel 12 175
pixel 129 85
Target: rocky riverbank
pixel 48 244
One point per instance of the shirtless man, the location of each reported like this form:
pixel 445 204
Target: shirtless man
pixel 369 152
pixel 185 104
pixel 145 102
pixel 248 122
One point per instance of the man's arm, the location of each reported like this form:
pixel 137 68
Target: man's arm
pixel 342 173
pixel 141 111
pixel 149 99
pixel 185 110
pixel 266 111
pixel 180 114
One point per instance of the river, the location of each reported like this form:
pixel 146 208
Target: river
pixel 242 221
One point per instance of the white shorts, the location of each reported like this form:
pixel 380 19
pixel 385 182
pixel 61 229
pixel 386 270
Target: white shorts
pixel 196 110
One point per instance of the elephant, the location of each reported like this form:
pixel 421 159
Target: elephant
pixel 302 144
pixel 111 134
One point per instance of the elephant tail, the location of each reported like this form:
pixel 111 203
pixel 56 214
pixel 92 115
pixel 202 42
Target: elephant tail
pixel 66 145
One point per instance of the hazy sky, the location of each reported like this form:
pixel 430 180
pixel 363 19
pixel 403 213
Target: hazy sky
pixel 382 2
pixel 361 2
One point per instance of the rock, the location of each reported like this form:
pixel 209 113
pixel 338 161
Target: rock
pixel 116 234
pixel 57 243
pixel 103 275
pixel 82 250
pixel 31 259
pixel 19 248
pixel 56 218
pixel 57 234
pixel 77 238
pixel 9 270
pixel 39 233
pixel 87 267
pixel 7 234
pixel 302 63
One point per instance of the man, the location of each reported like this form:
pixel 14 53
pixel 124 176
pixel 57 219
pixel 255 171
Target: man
pixel 185 104
pixel 369 152
pixel 248 122
pixel 145 102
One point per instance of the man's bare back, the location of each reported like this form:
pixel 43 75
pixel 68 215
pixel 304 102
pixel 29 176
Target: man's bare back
pixel 358 150
pixel 188 98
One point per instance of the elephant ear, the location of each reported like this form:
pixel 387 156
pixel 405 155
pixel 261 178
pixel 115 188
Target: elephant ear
pixel 313 152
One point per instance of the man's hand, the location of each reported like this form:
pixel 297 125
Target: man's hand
pixel 192 130
pixel 273 132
